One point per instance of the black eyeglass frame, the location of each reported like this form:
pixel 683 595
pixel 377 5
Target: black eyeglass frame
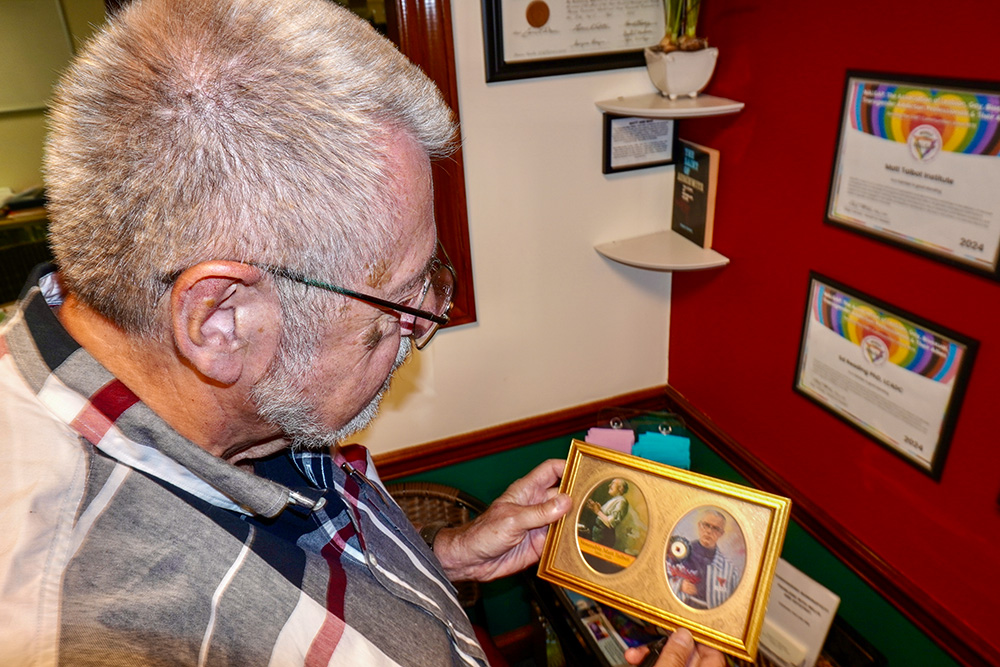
pixel 366 298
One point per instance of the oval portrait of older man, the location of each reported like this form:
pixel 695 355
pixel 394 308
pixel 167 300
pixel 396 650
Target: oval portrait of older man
pixel 706 556
pixel 612 525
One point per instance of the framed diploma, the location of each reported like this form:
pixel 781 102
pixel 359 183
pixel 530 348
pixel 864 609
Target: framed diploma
pixel 895 377
pixel 667 546
pixel 636 143
pixel 529 38
pixel 917 165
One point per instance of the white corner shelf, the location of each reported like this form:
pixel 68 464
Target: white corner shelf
pixel 662 251
pixel 665 250
pixel 654 105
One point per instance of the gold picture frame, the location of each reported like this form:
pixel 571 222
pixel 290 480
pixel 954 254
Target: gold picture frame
pixel 650 559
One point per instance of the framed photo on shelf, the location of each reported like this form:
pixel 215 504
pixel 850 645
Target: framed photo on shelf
pixel 917 165
pixel 636 143
pixel 531 38
pixel 667 546
pixel 892 375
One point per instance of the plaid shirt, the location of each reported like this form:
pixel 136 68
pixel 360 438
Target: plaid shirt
pixel 121 542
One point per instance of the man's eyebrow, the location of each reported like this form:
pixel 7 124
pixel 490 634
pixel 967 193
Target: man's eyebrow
pixel 418 279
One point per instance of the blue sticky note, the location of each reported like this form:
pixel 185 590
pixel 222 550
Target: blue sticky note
pixel 673 450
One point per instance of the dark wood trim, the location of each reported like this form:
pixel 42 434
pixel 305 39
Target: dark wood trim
pixel 940 624
pixel 468 446
pixel 422 30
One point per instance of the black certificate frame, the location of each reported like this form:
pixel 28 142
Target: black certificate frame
pixel 935 467
pixel 498 69
pixel 667 125
pixel 902 240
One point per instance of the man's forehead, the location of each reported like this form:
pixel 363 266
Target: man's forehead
pixel 378 273
pixel 381 274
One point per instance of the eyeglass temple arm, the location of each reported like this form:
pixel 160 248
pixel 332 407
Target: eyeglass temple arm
pixel 416 312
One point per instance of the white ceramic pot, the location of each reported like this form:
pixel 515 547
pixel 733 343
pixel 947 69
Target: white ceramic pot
pixel 681 73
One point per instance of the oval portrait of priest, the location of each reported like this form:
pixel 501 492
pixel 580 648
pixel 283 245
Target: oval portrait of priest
pixel 612 524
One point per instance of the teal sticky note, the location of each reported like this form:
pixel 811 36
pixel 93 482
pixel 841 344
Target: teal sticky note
pixel 673 450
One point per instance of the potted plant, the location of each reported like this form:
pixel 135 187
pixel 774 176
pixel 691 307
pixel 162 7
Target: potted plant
pixel 682 63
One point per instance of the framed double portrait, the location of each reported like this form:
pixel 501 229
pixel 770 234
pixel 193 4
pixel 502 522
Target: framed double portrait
pixel 668 546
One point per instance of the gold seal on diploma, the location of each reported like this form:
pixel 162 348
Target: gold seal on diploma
pixel 537 13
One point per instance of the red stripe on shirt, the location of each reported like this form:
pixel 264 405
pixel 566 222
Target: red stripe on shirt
pixel 355 454
pixel 105 406
pixel 113 399
pixel 330 633
pixel 91 424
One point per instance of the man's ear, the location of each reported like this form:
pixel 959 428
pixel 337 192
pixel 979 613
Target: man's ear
pixel 225 319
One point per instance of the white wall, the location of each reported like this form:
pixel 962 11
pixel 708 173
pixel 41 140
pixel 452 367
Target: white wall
pixel 22 133
pixel 559 325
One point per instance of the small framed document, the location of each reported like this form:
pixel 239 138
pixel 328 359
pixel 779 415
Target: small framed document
pixel 894 376
pixel 530 38
pixel 667 546
pixel 636 143
pixel 917 166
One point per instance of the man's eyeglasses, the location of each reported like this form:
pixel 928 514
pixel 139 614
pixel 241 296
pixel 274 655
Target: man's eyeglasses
pixel 420 317
pixel 711 527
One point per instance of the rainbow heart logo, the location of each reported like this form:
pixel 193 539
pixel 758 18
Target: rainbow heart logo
pixel 886 337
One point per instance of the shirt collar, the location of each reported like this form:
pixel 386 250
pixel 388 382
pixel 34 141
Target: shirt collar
pixel 95 404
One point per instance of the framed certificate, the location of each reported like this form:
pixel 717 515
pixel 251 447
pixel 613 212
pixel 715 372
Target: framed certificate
pixel 667 546
pixel 637 143
pixel 917 166
pixel 530 38
pixel 892 375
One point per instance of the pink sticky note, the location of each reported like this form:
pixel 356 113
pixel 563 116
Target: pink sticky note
pixel 619 439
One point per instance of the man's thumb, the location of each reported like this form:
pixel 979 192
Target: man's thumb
pixel 554 508
pixel 678 649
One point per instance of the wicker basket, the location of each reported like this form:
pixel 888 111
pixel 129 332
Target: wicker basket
pixel 426 502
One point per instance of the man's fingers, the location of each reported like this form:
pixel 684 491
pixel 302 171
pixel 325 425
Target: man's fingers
pixel 678 649
pixel 542 514
pixel 554 508
pixel 545 475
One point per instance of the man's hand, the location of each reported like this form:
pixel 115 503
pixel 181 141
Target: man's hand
pixel 508 536
pixel 680 651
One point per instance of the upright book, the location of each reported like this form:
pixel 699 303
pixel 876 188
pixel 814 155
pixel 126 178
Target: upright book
pixel 696 177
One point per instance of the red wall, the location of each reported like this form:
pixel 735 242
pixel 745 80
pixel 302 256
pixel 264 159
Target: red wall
pixel 735 331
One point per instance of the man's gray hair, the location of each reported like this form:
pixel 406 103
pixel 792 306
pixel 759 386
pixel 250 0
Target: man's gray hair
pixel 245 130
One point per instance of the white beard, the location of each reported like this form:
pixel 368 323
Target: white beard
pixel 281 400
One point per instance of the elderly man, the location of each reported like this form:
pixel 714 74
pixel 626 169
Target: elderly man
pixel 711 577
pixel 241 215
